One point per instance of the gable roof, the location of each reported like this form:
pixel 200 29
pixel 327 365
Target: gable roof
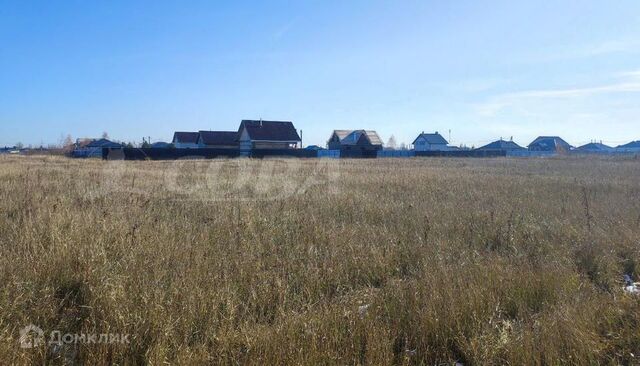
pixel 550 143
pixel 218 137
pixel 431 138
pixel 342 134
pixel 354 136
pixel 83 142
pixel 270 130
pixel 501 145
pixel 185 137
pixel 631 145
pixel 103 143
pixel 594 146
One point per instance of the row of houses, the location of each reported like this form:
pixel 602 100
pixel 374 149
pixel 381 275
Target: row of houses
pixel 260 135
pixel 555 144
pixel 251 135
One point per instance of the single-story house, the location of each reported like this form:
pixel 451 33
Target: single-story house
pixel 430 142
pixel 218 139
pixel 355 142
pixel 550 144
pixel 633 146
pixel 501 145
pixel 594 147
pixel 259 134
pixel 93 148
pixel 185 140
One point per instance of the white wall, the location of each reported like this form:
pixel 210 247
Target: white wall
pixel 430 147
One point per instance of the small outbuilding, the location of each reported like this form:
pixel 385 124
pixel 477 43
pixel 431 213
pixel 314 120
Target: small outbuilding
pixel 86 148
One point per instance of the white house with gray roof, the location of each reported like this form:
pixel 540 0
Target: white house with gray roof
pixel 430 142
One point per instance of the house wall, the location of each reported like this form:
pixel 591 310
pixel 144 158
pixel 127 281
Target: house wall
pixel 217 146
pixel 183 145
pixel 333 143
pixel 422 145
pixel 271 145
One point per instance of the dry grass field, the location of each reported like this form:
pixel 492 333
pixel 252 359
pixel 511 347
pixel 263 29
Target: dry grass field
pixel 414 261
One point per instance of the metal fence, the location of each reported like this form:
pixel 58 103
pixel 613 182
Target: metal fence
pixel 396 153
pixel 462 154
pixel 335 154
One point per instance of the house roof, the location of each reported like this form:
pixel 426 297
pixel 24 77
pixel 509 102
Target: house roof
pixel 218 137
pixel 83 142
pixel 353 136
pixel 161 144
pixel 550 143
pixel 186 137
pixel 432 138
pixel 103 143
pixel 594 146
pixel 342 133
pixel 501 145
pixel 314 147
pixel 270 130
pixel 631 145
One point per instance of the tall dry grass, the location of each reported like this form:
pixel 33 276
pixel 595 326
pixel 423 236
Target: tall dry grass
pixel 416 261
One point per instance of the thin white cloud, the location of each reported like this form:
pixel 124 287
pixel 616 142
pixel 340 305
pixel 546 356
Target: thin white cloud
pixel 586 51
pixel 629 83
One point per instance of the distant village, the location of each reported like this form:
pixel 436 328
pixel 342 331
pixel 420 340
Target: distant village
pixel 258 138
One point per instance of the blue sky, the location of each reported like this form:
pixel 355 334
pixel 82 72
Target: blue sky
pixel 482 69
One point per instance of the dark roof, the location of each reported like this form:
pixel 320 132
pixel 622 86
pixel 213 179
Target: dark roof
pixel 218 137
pixel 501 145
pixel 103 143
pixel 549 143
pixel 161 144
pixel 186 137
pixel 594 146
pixel 631 145
pixel 432 138
pixel 270 130
pixel 314 147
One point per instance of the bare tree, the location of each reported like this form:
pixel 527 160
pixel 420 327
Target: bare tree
pixel 67 144
pixel 391 144
pixel 105 135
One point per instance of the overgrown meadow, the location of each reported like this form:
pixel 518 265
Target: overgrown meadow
pixel 352 262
